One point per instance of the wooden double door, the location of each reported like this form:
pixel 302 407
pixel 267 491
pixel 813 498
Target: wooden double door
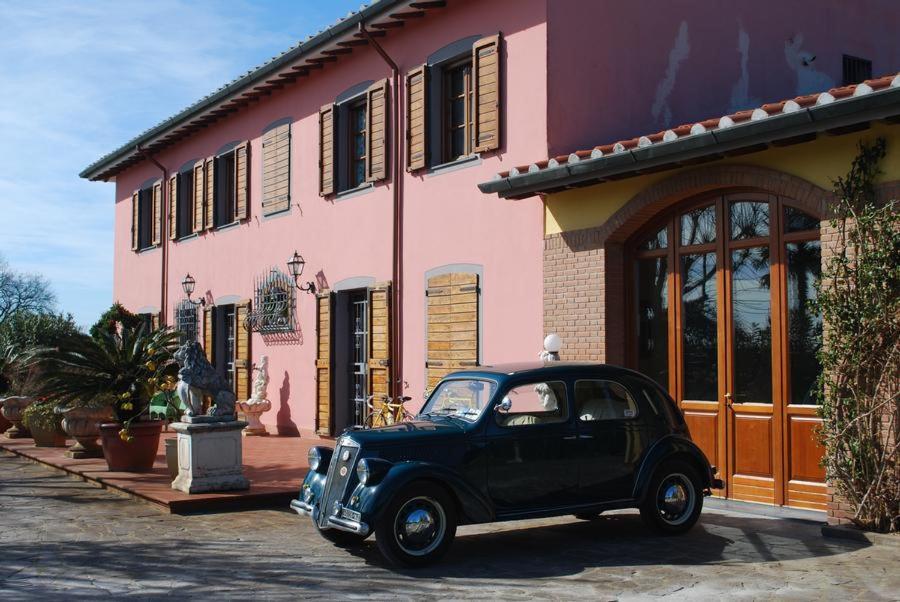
pixel 723 304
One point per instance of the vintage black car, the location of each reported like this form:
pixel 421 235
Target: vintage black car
pixel 510 442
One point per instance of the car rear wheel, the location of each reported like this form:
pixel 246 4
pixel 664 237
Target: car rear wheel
pixel 418 525
pixel 674 498
pixel 342 539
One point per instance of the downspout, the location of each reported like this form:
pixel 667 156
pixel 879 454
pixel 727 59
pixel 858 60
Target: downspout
pixel 163 234
pixel 396 389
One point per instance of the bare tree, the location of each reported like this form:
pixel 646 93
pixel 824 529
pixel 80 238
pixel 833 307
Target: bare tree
pixel 23 292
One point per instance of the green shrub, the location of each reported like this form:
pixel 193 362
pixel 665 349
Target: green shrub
pixel 42 415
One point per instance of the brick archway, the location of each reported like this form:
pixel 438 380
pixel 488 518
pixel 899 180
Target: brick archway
pixel 649 202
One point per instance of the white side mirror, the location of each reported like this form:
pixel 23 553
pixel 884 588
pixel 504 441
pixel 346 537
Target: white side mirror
pixel 504 406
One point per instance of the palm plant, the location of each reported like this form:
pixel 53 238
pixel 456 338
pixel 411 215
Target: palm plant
pixel 127 368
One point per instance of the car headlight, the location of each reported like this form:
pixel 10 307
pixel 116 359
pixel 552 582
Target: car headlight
pixel 314 458
pixel 363 473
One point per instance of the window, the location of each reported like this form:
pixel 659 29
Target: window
pixel 603 400
pixel 274 302
pixel 856 70
pixel 225 190
pixel 464 398
pixel 145 219
pixel 184 205
pixel 224 339
pixel 452 301
pixel 356 174
pixel 534 403
pixel 456 130
pixel 186 321
pixel 276 169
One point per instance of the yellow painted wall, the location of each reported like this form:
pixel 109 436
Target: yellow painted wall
pixel 819 161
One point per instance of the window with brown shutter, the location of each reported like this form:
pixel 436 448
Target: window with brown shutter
pixel 276 169
pixel 241 351
pixel 323 362
pixel 209 339
pixel 209 193
pixel 326 150
pixel 486 90
pixel 199 196
pixel 357 145
pixel 456 111
pixel 377 109
pixel 173 206
pixel 379 367
pixel 135 219
pixel 416 118
pixel 242 181
pixel 452 325
pixel 156 201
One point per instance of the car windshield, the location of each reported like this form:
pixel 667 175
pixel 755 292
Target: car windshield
pixel 460 398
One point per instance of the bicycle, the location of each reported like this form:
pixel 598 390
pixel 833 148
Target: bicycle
pixel 387 413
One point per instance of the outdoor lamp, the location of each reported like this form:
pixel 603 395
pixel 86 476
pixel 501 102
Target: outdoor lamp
pixel 296 264
pixel 552 345
pixel 188 285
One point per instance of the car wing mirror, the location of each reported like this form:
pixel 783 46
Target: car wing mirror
pixel 504 406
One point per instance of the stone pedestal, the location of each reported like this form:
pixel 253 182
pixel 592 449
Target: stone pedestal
pixel 210 455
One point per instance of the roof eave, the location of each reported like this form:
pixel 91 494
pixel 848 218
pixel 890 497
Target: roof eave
pixel 737 139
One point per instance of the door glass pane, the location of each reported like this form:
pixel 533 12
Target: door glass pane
pixel 699 326
pixel 698 226
pixel 804 268
pixel 660 240
pixel 748 219
pixel 752 318
pixel 653 319
pixel 797 221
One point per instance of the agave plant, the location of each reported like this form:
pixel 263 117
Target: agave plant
pixel 127 368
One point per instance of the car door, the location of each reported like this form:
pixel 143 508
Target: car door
pixel 611 438
pixel 532 449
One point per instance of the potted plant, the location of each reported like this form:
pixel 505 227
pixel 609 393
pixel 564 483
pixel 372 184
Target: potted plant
pixel 42 420
pixel 126 366
pixel 82 423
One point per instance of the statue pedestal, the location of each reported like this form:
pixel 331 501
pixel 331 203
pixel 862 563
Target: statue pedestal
pixel 210 456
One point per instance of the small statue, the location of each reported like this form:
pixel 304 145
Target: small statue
pixel 196 378
pixel 258 403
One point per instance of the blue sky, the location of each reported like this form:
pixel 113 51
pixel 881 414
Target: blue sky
pixel 79 79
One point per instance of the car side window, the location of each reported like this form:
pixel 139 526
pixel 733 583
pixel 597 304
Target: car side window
pixel 603 400
pixel 534 403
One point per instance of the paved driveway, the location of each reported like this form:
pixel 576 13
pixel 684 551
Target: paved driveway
pixel 61 537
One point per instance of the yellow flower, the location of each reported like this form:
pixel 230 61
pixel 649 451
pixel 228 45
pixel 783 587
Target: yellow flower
pixel 127 405
pixel 152 380
pixel 151 366
pixel 151 351
pixel 125 395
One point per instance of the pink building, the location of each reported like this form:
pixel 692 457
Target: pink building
pixel 361 149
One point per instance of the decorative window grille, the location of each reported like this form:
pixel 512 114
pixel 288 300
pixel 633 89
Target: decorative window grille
pixel 186 321
pixel 856 70
pixel 273 303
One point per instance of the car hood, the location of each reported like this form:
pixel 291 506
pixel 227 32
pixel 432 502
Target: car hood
pixel 405 433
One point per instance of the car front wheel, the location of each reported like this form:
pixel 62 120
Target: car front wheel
pixel 418 526
pixel 674 498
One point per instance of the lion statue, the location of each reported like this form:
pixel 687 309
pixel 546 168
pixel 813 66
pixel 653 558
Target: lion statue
pixel 197 378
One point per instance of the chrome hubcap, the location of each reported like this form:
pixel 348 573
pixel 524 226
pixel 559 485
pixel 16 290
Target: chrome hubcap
pixel 675 499
pixel 419 526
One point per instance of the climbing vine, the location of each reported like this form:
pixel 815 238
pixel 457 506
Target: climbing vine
pixel 859 387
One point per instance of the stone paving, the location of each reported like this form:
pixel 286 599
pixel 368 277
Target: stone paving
pixel 68 539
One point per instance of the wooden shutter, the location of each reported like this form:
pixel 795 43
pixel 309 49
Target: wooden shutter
pixel 416 118
pixel 209 190
pixel 276 169
pixel 452 301
pixel 173 206
pixel 199 197
pixel 323 363
pixel 486 89
pixel 156 212
pixel 376 131
pixel 379 372
pixel 155 321
pixel 242 181
pixel 326 150
pixel 241 351
pixel 135 219
pixel 209 338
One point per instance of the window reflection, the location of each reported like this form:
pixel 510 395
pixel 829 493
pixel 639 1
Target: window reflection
pixel 698 226
pixel 797 221
pixel 748 219
pixel 699 324
pixel 751 312
pixel 804 263
pixel 653 319
pixel 660 240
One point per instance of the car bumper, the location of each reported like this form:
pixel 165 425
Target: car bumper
pixel 344 524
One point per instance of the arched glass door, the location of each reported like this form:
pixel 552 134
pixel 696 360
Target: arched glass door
pixel 723 291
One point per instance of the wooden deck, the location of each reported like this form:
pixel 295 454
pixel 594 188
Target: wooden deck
pixel 274 465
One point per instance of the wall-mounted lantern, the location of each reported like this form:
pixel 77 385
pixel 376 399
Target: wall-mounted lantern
pixel 296 264
pixel 188 285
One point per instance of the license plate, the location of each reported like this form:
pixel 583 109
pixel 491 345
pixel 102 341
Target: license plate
pixel 350 514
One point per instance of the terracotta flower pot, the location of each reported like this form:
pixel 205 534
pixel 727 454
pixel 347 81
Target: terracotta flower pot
pixel 48 437
pixel 12 411
pixel 136 455
pixel 83 424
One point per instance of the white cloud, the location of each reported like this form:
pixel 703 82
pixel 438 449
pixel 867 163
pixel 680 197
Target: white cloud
pixel 78 80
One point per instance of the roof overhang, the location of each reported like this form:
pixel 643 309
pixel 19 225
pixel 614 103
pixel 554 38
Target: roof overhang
pixel 838 117
pixel 319 50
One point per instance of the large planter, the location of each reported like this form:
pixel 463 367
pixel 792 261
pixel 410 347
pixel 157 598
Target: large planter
pixel 48 437
pixel 83 425
pixel 136 455
pixel 12 411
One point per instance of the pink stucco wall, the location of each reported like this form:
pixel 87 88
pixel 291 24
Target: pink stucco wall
pixel 622 69
pixel 447 219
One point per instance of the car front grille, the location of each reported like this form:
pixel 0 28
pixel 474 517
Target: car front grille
pixel 336 483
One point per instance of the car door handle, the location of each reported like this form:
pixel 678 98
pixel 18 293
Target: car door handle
pixel 585 436
pixel 570 438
